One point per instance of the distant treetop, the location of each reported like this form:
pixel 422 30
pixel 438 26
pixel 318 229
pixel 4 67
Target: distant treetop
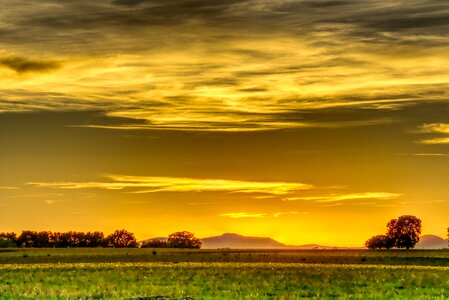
pixel 402 232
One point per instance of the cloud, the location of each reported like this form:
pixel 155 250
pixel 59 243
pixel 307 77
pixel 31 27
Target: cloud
pixel 203 203
pixel 436 141
pixel 278 214
pixel 240 215
pixel 51 202
pixel 203 65
pixel 25 65
pixel 128 2
pixel 346 197
pixel 140 184
pixel 436 128
pixel 426 154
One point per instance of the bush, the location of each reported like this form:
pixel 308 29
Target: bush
pixel 121 239
pixel 6 243
pixel 379 242
pixel 155 243
pixel 184 239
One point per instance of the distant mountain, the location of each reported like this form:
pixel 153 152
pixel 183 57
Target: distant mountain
pixel 316 246
pixel 431 242
pixel 237 241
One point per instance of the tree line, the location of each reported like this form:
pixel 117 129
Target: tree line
pixel 74 239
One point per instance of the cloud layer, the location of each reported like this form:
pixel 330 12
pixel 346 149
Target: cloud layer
pixel 440 129
pixel 136 184
pixel 225 66
pixel 25 65
pixel 346 197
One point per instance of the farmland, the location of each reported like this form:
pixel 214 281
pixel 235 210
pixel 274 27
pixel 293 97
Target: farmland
pixel 223 274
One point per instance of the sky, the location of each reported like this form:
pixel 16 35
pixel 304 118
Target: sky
pixel 308 121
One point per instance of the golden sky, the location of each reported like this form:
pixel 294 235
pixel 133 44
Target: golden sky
pixel 309 121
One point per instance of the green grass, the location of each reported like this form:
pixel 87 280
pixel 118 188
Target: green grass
pixel 174 274
pixel 392 257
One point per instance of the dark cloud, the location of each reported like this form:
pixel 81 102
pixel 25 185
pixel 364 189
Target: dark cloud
pixel 128 2
pixel 153 23
pixel 250 46
pixel 24 65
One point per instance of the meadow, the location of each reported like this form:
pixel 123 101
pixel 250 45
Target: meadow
pixel 223 274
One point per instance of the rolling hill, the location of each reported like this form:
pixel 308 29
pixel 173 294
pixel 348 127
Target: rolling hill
pixel 237 241
pixel 431 242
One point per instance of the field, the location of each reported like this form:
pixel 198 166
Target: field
pixel 223 274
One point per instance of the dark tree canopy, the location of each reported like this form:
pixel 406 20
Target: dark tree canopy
pixel 402 232
pixel 70 239
pixel 184 239
pixel 155 243
pixel 8 236
pixel 121 239
pixel 8 239
pixel 379 242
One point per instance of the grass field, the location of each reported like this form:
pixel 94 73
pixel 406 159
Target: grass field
pixel 223 274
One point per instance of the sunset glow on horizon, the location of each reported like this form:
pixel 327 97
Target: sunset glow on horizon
pixel 308 121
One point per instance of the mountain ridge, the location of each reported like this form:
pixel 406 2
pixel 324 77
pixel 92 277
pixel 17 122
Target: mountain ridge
pixel 238 241
pixel 430 241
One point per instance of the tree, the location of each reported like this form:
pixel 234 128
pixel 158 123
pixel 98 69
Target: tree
pixel 70 239
pixel 11 236
pixel 47 239
pixel 8 239
pixel 184 239
pixel 155 243
pixel 27 239
pixel 379 242
pixel 92 239
pixel 35 239
pixel 121 239
pixel 404 231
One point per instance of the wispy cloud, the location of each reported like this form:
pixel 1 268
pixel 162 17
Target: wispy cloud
pixel 8 188
pixel 436 128
pixel 203 203
pixel 282 213
pixel 51 202
pixel 426 154
pixel 217 68
pixel 141 184
pixel 240 215
pixel 25 65
pixel 346 197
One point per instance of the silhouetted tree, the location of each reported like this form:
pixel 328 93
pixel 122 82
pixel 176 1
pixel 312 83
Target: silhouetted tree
pixel 70 239
pixel 43 239
pixel 26 239
pixel 92 239
pixel 155 243
pixel 184 239
pixel 121 239
pixel 9 236
pixel 404 231
pixel 379 242
pixel 8 240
